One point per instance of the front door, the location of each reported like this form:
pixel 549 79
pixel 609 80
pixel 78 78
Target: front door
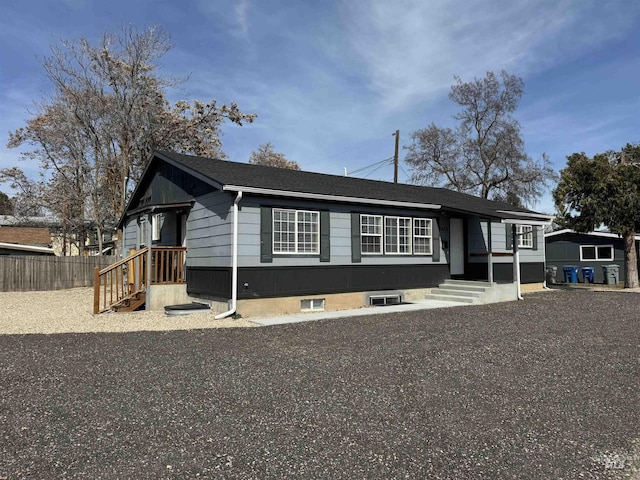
pixel 456 246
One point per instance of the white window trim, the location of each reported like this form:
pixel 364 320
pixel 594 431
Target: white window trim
pixel 379 235
pixel 157 221
pixel 397 234
pixel 143 225
pixel 410 237
pixel 597 259
pixel 429 237
pixel 316 244
pixel 521 235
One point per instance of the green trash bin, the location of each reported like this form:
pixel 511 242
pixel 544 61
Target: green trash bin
pixel 611 274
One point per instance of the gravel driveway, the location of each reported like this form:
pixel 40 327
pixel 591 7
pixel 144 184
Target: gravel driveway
pixel 546 388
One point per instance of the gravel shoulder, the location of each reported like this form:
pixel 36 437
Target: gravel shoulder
pixel 545 388
pixel 70 311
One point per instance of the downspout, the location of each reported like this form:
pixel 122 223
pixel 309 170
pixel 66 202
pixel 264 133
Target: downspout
pixel 516 263
pixel 234 262
pixel 489 253
pixel 544 255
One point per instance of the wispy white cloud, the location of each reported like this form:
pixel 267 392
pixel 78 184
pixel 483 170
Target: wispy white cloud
pixel 412 49
pixel 242 14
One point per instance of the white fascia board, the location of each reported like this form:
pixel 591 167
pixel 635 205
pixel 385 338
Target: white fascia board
pixel 331 198
pixel 558 232
pixel 527 214
pixel 525 221
pixel 590 234
pixel 28 248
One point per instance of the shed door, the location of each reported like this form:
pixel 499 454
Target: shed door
pixel 456 246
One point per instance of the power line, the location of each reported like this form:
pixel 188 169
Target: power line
pixel 376 164
pixel 388 162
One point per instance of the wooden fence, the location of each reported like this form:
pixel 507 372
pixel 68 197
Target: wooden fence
pixel 22 273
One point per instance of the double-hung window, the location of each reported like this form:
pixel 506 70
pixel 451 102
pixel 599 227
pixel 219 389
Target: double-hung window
pixel 144 230
pixel 392 235
pixel 371 234
pixel 296 231
pixel 422 235
pixel 596 252
pixel 525 236
pixel 397 235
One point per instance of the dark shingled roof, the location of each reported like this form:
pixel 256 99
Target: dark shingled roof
pixel 257 176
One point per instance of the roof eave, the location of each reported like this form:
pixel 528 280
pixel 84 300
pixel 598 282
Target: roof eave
pixel 331 198
pixel 526 221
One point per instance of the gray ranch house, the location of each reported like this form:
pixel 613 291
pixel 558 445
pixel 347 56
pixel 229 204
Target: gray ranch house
pixel 251 239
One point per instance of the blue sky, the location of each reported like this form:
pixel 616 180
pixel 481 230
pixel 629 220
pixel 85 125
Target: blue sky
pixel 332 80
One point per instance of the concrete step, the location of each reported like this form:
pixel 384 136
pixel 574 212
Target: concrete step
pixel 450 298
pixel 457 292
pixel 471 283
pixel 465 288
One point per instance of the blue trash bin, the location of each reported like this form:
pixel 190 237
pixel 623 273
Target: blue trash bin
pixel 570 273
pixel 588 275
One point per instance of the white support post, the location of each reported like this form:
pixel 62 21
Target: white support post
pixel 489 253
pixel 147 303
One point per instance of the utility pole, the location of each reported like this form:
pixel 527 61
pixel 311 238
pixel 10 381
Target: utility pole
pixel 395 157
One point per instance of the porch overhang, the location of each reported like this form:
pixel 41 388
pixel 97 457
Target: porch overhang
pixel 159 208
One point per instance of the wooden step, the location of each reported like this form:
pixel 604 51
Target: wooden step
pixel 132 303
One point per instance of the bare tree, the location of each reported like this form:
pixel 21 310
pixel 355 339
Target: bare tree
pixel 6 205
pixel 266 155
pixel 485 154
pixel 106 115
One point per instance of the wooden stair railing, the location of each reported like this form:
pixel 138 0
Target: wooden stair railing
pixel 119 281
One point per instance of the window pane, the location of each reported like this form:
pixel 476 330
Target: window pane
pixel 588 253
pixel 525 236
pixel 371 244
pixel 404 232
pixel 284 240
pixel 308 232
pixel 371 233
pixel 422 236
pixel 391 234
pixel 605 253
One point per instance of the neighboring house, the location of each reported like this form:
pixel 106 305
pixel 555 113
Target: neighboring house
pixel 265 239
pixel 61 240
pixel 594 249
pixel 25 241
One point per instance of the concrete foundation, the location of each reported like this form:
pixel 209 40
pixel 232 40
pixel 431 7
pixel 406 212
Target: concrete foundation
pixel 159 296
pixel 531 287
pixel 261 307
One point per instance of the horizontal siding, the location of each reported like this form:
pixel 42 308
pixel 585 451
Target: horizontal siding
pixel 340 235
pixel 209 227
pixel 130 236
pixel 478 241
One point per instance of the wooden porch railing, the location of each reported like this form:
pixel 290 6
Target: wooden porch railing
pixel 127 278
pixel 167 265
